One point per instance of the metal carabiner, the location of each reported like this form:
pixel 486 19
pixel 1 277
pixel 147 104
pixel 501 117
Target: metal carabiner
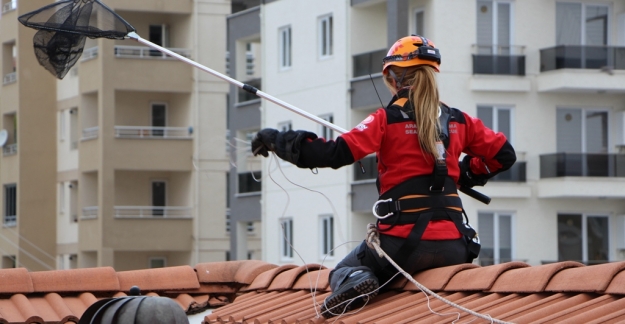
pixel 375 206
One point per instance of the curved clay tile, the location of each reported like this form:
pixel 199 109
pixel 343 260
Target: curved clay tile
pixel 530 279
pixel 232 271
pixel 286 279
pixel 264 279
pixel 15 281
pixel 75 280
pixel 170 278
pixel 250 270
pixel 437 279
pixel 314 280
pixel 480 278
pixel 585 279
pixel 617 285
pixel 58 305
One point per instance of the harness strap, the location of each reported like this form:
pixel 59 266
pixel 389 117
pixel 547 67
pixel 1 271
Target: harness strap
pixel 418 203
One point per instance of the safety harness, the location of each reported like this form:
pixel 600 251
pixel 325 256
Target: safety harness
pixel 422 199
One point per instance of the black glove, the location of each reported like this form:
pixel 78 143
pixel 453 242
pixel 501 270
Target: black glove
pixel 264 141
pixel 467 177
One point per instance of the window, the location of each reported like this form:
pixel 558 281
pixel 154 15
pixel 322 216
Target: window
pixel 370 164
pixel 495 230
pixel 326 132
pixel 285 47
pixel 583 238
pixel 593 137
pixel 581 24
pixel 157 262
pixel 61 125
pixel 326 223
pixel 249 182
pixel 497 118
pixel 73 128
pixel 9 262
pixel 159 197
pixel 286 239
pixel 419 22
pixel 159 35
pixel 494 26
pixel 325 36
pixel 159 118
pixel 285 126
pixel 10 205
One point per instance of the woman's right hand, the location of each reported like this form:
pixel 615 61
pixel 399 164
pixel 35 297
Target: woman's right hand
pixel 264 141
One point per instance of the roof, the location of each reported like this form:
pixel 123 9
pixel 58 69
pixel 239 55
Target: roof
pixel 259 292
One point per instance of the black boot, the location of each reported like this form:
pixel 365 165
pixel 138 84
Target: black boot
pixel 359 282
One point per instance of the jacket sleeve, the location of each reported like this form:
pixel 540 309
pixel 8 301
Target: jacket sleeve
pixel 490 152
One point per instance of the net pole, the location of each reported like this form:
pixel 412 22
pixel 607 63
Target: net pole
pixel 237 83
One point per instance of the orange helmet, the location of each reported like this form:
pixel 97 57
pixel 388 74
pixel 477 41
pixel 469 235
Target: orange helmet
pixel 412 51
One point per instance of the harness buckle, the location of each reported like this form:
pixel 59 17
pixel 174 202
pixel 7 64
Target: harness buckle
pixel 375 209
pixel 437 190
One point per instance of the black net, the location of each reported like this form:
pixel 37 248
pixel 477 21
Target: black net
pixel 63 27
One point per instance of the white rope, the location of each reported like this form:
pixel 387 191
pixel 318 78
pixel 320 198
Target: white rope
pixel 373 242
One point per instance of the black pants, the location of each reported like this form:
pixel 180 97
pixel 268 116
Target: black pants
pixel 427 255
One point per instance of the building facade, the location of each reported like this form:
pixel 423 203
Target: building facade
pixel 548 74
pixel 136 139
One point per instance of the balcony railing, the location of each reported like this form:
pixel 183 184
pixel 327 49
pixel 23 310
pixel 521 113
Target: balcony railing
pixel 144 52
pixel 500 60
pixel 152 212
pixel 152 132
pixel 9 6
pixel 89 54
pixel 90 212
pixel 9 149
pixel 90 133
pixel 9 78
pixel 368 63
pixel 582 57
pixel 370 167
pixel 582 165
pixel 10 220
pixel 517 173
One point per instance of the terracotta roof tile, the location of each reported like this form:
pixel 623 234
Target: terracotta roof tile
pixel 530 279
pixel 171 278
pixel 15 281
pixel 232 271
pixel 437 279
pixel 286 279
pixel 264 279
pixel 75 280
pixel 317 279
pixel 480 278
pixel 617 285
pixel 585 279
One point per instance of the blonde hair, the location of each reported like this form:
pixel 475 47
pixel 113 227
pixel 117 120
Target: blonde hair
pixel 423 95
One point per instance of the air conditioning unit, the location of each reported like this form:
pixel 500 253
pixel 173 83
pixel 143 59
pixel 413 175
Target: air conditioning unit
pixel 619 232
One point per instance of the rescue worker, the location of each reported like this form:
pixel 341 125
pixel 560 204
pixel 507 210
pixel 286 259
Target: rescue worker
pixel 418 141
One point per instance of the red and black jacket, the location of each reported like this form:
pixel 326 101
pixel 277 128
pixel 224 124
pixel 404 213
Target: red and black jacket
pixel 391 134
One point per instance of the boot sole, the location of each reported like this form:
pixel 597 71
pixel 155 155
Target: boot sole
pixel 331 306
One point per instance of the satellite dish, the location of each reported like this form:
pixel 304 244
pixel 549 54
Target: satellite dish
pixel 4 135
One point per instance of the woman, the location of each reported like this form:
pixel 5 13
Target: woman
pixel 418 141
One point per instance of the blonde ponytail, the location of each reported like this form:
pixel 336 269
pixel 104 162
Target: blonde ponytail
pixel 425 98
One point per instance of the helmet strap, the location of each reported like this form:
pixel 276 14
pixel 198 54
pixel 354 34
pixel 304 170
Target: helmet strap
pixel 398 81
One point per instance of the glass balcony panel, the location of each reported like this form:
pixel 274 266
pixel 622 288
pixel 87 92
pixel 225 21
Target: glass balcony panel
pixel 517 173
pixel 582 57
pixel 582 165
pixel 370 166
pixel 368 63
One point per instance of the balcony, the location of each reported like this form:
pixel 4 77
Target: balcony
pixel 517 173
pixel 152 212
pixel 582 165
pixel 144 52
pixel 9 6
pixel 368 70
pixel 9 149
pixel 149 132
pixel 364 191
pixel 9 78
pixel 582 57
pixel 582 175
pixel 498 60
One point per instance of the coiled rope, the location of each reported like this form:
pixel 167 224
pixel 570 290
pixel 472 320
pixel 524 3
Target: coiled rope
pixel 373 242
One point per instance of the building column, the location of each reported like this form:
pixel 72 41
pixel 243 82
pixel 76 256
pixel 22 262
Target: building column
pixel 240 252
pixel 397 20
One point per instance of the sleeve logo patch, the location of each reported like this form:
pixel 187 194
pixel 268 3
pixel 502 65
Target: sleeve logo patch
pixel 363 124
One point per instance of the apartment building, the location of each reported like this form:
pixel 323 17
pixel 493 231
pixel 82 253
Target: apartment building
pixel 548 74
pixel 131 163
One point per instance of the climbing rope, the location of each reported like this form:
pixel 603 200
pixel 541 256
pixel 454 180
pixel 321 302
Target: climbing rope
pixel 373 242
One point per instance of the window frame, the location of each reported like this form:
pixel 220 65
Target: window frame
pixel 495 113
pixel 159 258
pixel 7 207
pixel 325 40
pixel 286 228
pixel 285 48
pixel 326 243
pixel 585 4
pixel 584 129
pixel 326 132
pixel 495 219
pixel 584 233
pixel 495 35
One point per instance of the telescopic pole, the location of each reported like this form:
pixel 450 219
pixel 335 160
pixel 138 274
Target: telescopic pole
pixel 468 191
